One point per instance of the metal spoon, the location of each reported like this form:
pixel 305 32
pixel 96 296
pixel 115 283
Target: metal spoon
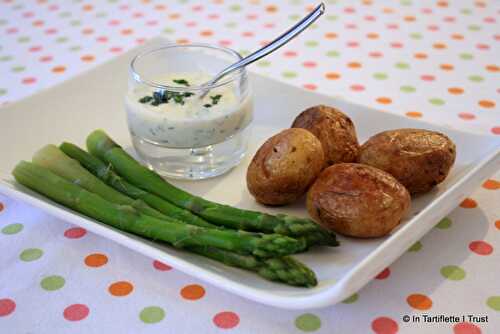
pixel 274 45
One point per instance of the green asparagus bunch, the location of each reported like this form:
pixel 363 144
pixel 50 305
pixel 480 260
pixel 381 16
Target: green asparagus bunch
pixel 103 147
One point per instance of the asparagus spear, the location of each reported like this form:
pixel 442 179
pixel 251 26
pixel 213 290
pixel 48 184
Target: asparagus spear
pixel 53 159
pixel 125 217
pixel 106 174
pixel 284 269
pixel 103 147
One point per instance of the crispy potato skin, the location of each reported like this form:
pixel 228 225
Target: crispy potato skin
pixel 285 166
pixel 419 159
pixel 357 200
pixel 335 131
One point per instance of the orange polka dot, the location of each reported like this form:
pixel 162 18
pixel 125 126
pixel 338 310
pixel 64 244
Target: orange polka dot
pixel 332 76
pixel 388 10
pixel 491 184
pixel 419 301
pixel 331 35
pixel 372 35
pixel 367 2
pixel 206 33
pixel 439 46
pixel 87 8
pixel 409 18
pixel 174 16
pixel 354 65
pixel 58 69
pixel 96 260
pixel 1 206
pixel 455 90
pixel 121 288
pixel 192 292
pixel 127 31
pixel 493 68
pixel 486 104
pixel 468 203
pixel 497 224
pixel 87 58
pixel 442 4
pixel 420 55
pixel 384 100
pixel 457 36
pixel 182 41
pixel 446 67
pixel 414 114
pixel 271 9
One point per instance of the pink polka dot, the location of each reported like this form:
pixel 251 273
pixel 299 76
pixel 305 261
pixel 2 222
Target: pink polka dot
pixel 247 34
pixel 489 19
pixel 116 49
pixel 290 54
pixel 140 41
pixel 161 266
pixel 384 274
pixel 310 86
pixel 349 10
pixel 385 325
pixel 433 27
pixel 449 19
pixel 197 8
pixel 375 54
pixel 102 39
pixel 76 312
pixel 46 59
pixel 466 328
pixel 357 88
pixel 351 26
pixel 28 14
pixel 466 116
pixel 12 30
pixel 481 247
pixel 426 10
pixel 137 15
pixel 7 306
pixel 497 37
pixel 114 22
pixel 29 80
pixel 392 26
pixel 35 48
pixel 51 31
pixel 396 45
pixel 191 24
pixel 53 8
pixel 269 25
pixel 370 18
pixel 309 64
pixel 75 232
pixel 482 46
pixel 124 7
pixel 225 42
pixel 213 16
pixel 352 44
pixel 252 17
pixel 495 130
pixel 427 77
pixel 226 320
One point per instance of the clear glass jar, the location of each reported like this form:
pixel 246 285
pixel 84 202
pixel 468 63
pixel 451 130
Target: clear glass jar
pixel 173 130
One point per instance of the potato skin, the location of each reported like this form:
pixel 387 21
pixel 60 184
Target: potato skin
pixel 335 131
pixel 357 200
pixel 419 159
pixel 285 166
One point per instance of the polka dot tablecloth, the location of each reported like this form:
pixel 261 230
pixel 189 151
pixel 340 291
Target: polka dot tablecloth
pixel 433 60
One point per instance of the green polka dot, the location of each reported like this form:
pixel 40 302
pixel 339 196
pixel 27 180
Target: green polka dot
pixel 112 1
pixel 380 76
pixel 12 228
pixel 152 314
pixel 402 66
pixel 289 74
pixel 311 44
pixel 51 283
pixel 474 27
pixel 436 101
pixel 466 11
pixel 476 78
pixel 415 247
pixel 444 223
pixel 453 273
pixel 308 322
pixel 168 30
pixel 466 56
pixel 5 58
pixel 75 23
pixel 182 1
pixel 494 302
pixel 31 254
pixel 294 17
pixel 23 39
pixel 351 299
pixel 64 14
pixel 75 48
pixel 406 3
pixel 295 2
pixel 235 8
pixel 408 89
pixel 416 35
pixel 333 54
pixel 61 39
pixel 332 2
pixel 332 17
pixel 101 14
pixel 313 26
pixel 231 25
pixel 263 63
pixel 3 91
pixel 244 52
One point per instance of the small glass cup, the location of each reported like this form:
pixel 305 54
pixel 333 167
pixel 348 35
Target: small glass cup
pixel 173 130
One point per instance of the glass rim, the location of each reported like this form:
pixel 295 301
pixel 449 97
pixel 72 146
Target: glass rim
pixel 231 78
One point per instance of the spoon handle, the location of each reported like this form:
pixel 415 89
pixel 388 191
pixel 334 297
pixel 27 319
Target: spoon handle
pixel 274 45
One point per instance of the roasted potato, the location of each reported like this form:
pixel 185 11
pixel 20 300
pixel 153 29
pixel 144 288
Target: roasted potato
pixel 285 166
pixel 357 200
pixel 419 159
pixel 334 130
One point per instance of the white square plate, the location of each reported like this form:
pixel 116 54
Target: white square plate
pixel 69 112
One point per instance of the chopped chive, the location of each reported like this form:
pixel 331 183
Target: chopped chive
pixel 145 99
pixel 215 99
pixel 207 105
pixel 182 82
